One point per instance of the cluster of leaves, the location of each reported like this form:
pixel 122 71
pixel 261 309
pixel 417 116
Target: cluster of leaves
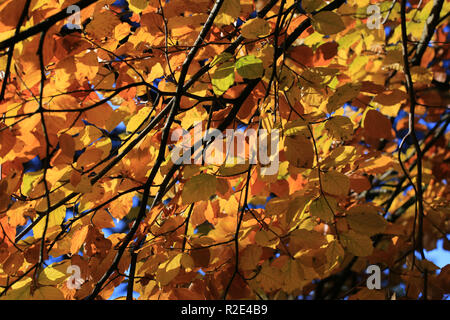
pixel 363 152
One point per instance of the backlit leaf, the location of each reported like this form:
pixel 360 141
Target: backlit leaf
pixel 366 220
pixel 358 244
pixel 250 67
pixel 255 28
pixel 335 183
pixel 199 187
pixel 223 77
pixel 327 23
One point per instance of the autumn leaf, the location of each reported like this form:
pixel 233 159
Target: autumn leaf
pixel 299 151
pixel 198 188
pixel 335 183
pixel 250 67
pixel 327 22
pixel 323 208
pixel 343 94
pixel 357 244
pixel 223 77
pixel 377 125
pixel 255 28
pixel 98 97
pixel 340 127
pixel 228 12
pixel 311 5
pixel 365 220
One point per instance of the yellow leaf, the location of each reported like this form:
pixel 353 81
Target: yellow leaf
pixel 358 244
pixel 78 239
pixel 157 71
pixel 87 66
pixel 102 24
pixel 228 13
pixel 29 181
pixel 297 208
pixel 187 262
pixel 48 293
pixel 335 254
pixel 340 156
pixel 345 93
pixel 54 274
pixel 327 22
pixel 365 219
pixel 335 183
pixel 200 187
pixel 255 28
pixel 308 239
pixel 312 5
pixel 340 127
pixel 83 185
pixel 293 275
pixel 168 270
pixel 121 30
pixel 250 257
pixel 221 58
pixel 137 119
pixel 137 6
pixel 324 208
pixel 266 238
pixel 19 290
pixel 89 135
pixel 233 166
pixel 295 127
pixel 55 218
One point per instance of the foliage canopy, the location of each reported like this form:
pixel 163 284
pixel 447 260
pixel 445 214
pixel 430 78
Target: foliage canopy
pixel 88 115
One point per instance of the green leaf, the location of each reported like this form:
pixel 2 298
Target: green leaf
pixel 223 78
pixel 250 67
pixel 221 58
